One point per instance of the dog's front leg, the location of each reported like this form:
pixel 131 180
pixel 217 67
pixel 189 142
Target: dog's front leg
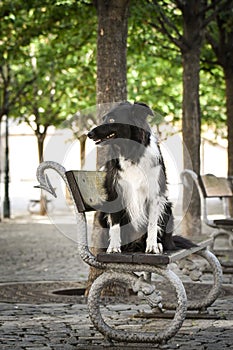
pixel 114 240
pixel 152 245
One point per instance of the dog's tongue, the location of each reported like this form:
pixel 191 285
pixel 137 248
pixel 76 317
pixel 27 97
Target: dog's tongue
pixel 111 136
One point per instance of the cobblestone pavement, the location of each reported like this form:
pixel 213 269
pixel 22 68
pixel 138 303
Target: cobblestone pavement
pixel 36 259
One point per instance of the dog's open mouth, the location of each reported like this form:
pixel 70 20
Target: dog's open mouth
pixel 108 137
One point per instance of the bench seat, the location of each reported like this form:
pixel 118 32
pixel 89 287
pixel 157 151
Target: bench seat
pixel 151 259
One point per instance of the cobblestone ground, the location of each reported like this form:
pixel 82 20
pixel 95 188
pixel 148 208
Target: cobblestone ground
pixel 38 256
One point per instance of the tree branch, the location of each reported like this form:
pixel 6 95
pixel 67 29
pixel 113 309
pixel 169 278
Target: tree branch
pixel 21 90
pixel 179 4
pixel 212 42
pixel 216 9
pixel 166 27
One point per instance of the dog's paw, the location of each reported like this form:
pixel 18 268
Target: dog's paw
pixel 112 249
pixel 154 248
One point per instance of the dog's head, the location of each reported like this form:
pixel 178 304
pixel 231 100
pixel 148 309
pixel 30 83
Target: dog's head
pixel 126 121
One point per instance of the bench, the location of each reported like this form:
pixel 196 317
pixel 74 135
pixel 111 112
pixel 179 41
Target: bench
pixel 211 186
pixel 34 205
pixel 87 194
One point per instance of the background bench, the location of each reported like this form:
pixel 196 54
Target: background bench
pixel 211 186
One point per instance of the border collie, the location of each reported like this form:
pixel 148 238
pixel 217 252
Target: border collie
pixel 136 177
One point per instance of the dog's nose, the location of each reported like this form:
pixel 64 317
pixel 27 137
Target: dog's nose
pixel 90 134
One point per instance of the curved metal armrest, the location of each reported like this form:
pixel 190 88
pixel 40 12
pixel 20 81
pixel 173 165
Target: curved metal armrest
pixel 194 176
pixel 45 184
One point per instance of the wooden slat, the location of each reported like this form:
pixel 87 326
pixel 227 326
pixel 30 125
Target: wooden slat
pixel 119 258
pixel 214 186
pixel 87 189
pixel 75 191
pixel 151 259
pixel 224 222
pixel 180 254
pixel 134 258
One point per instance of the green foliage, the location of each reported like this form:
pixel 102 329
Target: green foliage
pixel 154 66
pixel 50 49
pixel 49 44
pixel 212 98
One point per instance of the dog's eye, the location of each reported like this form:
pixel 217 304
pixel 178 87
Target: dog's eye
pixel 111 120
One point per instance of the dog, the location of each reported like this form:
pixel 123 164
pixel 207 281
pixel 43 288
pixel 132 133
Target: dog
pixel 136 181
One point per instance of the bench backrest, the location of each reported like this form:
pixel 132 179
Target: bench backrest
pixel 87 189
pixel 213 186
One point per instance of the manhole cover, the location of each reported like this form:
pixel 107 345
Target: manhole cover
pixel 73 292
pixel 43 292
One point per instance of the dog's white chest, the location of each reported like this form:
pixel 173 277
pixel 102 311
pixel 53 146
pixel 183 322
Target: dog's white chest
pixel 138 183
pixel 133 178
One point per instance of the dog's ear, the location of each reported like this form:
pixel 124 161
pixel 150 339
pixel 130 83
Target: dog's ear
pixel 141 110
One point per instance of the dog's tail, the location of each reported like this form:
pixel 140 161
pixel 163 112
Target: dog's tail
pixel 182 242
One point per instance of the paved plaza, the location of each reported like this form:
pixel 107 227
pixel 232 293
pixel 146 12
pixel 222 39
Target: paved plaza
pixel 38 263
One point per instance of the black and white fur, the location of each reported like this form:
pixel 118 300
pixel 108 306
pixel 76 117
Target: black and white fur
pixel 135 178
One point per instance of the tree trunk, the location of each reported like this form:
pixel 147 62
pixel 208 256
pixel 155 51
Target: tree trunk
pixel 82 141
pixel 40 145
pixel 111 50
pixel 111 84
pixel 191 141
pixel 5 75
pixel 191 112
pixel 223 48
pixel 228 73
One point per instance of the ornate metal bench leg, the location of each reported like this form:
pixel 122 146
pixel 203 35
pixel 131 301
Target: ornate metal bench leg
pixel 147 289
pixel 216 287
pixel 222 232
